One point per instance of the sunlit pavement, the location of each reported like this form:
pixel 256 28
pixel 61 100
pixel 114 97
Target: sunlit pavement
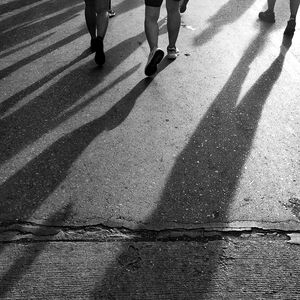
pixel 206 153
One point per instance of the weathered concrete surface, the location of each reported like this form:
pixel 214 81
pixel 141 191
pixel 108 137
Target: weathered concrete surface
pixel 149 185
pixel 248 267
pixel 211 141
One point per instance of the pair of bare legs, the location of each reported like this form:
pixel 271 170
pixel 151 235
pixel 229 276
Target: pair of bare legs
pixel 269 16
pixel 152 32
pixel 96 16
pixel 294 5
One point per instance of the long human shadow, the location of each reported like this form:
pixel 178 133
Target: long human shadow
pixel 16 4
pixel 40 115
pixel 121 8
pixel 13 100
pixel 200 187
pixel 37 12
pixel 43 113
pixel 26 190
pixel 28 44
pixel 59 44
pixel 227 14
pixel 23 263
pixel 27 31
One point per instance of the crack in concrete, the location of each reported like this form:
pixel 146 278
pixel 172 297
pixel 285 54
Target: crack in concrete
pixel 27 231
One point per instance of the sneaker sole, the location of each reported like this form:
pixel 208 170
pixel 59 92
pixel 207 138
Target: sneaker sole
pixel 172 56
pixel 151 67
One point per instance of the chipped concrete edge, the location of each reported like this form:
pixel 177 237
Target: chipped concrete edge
pixel 103 232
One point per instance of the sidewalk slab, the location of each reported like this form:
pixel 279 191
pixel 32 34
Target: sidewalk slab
pixel 251 267
pixel 210 141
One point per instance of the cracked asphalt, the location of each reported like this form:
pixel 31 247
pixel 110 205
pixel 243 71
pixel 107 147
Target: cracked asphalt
pixel 180 186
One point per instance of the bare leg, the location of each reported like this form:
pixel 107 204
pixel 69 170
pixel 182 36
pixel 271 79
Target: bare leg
pixel 152 31
pixel 173 22
pixel 90 18
pixel 151 26
pixel 102 23
pixel 291 24
pixel 294 5
pixel 102 7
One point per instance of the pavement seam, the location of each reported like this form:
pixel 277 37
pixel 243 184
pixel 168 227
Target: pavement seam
pixel 30 232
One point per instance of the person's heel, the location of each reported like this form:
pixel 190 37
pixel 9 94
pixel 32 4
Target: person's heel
pixel 99 56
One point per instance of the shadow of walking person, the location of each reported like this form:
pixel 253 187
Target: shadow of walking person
pixel 14 5
pixel 13 100
pixel 198 192
pixel 31 252
pixel 227 14
pixel 44 112
pixel 40 115
pixel 36 21
pixel 26 190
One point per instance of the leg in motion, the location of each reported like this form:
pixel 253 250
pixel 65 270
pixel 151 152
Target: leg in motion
pixel 152 31
pixel 90 19
pixel 173 27
pixel 291 24
pixel 101 8
pixel 111 12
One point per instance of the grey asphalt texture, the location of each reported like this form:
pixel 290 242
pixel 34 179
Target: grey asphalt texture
pixel 209 144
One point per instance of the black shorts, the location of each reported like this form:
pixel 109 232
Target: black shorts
pixel 155 3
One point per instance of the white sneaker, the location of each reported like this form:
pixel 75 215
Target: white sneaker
pixel 172 53
pixel 155 57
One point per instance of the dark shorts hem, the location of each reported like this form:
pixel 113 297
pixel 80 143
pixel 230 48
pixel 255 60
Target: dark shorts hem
pixel 155 3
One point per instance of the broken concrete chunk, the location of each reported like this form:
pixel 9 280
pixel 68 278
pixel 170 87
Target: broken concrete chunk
pixel 294 238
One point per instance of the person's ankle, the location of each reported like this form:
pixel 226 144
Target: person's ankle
pixel 153 48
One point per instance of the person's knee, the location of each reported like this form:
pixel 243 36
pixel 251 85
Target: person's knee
pixel 152 14
pixel 172 6
pixel 101 6
pixel 151 19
